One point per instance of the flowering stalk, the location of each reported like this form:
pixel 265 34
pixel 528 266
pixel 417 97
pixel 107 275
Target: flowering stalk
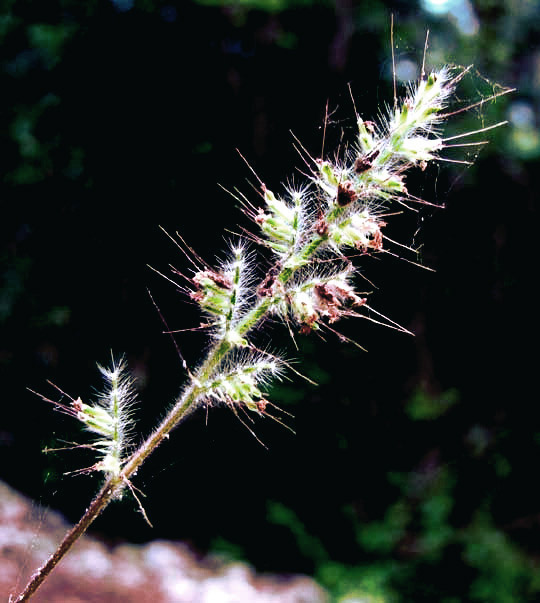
pixel 309 231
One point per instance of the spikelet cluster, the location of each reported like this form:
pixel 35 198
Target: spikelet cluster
pixel 310 231
pixel 223 294
pixel 240 377
pixel 108 418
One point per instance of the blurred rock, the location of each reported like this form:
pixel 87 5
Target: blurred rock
pixel 158 572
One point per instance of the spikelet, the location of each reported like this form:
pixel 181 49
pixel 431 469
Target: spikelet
pixel 222 295
pixel 108 418
pixel 240 380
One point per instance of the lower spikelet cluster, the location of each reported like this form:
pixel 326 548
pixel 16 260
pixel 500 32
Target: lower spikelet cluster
pixel 108 418
pixel 239 379
pixel 113 407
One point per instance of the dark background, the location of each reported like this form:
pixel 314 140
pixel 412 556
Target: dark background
pixel 413 463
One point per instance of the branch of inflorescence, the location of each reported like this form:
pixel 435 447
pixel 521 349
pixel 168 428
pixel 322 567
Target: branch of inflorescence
pixel 309 232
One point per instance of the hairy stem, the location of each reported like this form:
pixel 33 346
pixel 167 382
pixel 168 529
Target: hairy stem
pixel 109 490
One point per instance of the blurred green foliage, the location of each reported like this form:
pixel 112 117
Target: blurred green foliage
pixel 272 6
pixel 424 407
